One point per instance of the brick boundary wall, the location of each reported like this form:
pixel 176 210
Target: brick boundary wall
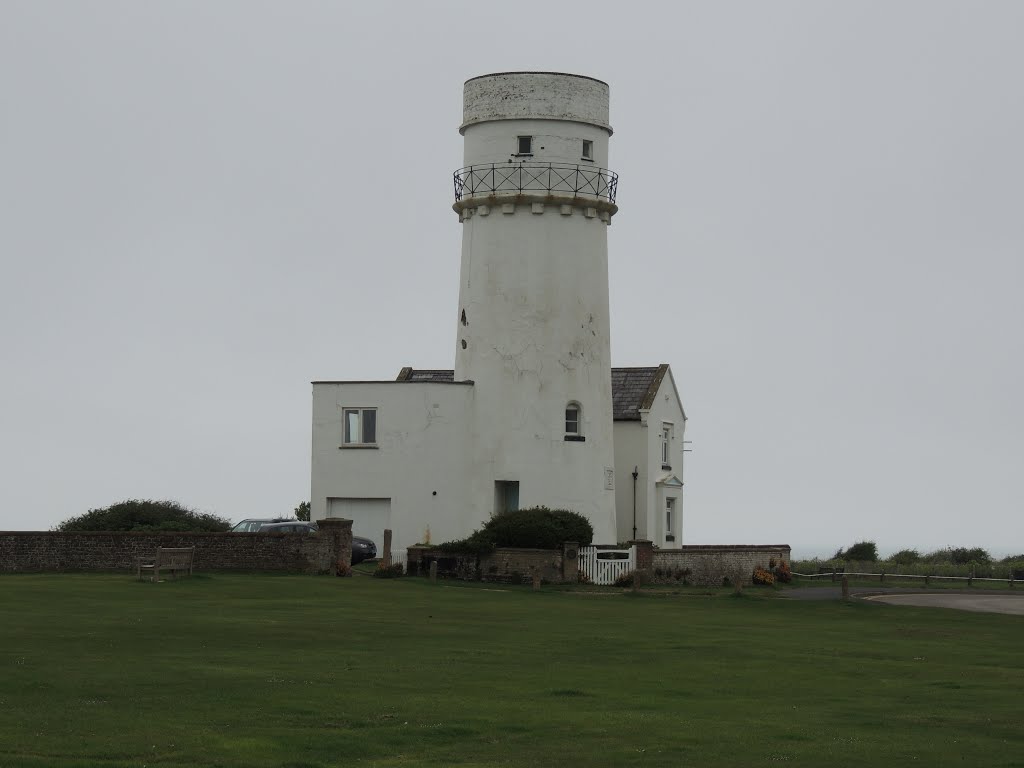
pixel 710 564
pixel 504 565
pixel 59 551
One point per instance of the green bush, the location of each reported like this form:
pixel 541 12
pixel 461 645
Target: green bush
pixel 862 550
pixel 145 515
pixel 392 571
pixel 625 579
pixel 906 557
pixel 959 555
pixel 534 527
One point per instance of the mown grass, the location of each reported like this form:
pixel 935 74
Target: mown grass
pixel 309 672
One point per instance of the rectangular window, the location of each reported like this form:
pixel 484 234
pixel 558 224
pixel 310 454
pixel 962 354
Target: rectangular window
pixel 525 145
pixel 588 150
pixel 360 426
pixel 572 420
pixel 506 496
pixel 666 446
pixel 670 508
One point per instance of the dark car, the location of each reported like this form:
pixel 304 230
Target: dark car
pixel 362 549
pixel 288 526
pixel 253 524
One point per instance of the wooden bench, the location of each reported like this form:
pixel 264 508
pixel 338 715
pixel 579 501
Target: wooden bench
pixel 168 559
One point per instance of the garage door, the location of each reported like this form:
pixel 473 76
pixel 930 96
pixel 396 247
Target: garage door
pixel 369 517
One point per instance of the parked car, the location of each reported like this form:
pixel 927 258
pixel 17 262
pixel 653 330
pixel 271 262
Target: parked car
pixel 362 549
pixel 253 524
pixel 288 526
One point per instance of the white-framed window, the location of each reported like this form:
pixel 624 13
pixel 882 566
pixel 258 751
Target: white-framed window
pixel 360 426
pixel 588 149
pixel 524 145
pixel 670 519
pixel 666 446
pixel 572 419
pixel 574 422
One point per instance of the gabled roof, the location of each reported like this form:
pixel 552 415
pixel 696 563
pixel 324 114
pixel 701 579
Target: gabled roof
pixel 633 389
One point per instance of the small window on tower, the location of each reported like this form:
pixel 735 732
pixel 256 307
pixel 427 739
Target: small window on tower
pixel 588 150
pixel 573 423
pixel 525 145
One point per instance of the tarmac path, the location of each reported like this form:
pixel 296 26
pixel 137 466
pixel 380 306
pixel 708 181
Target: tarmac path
pixel 1012 604
pixel 992 602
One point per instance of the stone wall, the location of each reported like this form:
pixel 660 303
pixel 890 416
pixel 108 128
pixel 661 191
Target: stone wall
pixel 510 566
pixel 710 565
pixel 53 551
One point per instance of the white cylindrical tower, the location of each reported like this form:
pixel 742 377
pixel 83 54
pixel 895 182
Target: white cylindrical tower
pixel 535 199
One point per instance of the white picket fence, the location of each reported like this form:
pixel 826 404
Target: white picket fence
pixel 604 566
pixel 400 556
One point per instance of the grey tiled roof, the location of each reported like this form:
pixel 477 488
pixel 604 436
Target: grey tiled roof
pixel 632 388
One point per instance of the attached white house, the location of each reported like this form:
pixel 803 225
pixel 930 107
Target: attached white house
pixel 532 413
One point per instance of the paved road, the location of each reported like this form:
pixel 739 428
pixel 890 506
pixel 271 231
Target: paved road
pixel 964 601
pixel 1013 604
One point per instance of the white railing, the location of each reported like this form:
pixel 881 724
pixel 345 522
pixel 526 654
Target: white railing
pixel 883 576
pixel 400 556
pixel 604 566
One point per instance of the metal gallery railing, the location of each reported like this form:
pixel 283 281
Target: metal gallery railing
pixel 549 178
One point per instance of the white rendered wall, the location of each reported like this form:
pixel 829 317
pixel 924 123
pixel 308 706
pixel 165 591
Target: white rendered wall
pixel 534 290
pixel 666 408
pixel 421 462
pixel 631 450
pixel 553 142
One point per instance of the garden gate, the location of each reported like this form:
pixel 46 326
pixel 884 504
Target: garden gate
pixel 604 566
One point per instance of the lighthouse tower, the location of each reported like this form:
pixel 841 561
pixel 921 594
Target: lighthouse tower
pixel 535 200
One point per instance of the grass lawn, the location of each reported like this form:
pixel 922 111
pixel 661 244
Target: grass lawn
pixel 233 670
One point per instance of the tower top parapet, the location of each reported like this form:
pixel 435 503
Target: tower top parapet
pixel 535 96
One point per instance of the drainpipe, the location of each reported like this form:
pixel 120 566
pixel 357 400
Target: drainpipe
pixel 635 474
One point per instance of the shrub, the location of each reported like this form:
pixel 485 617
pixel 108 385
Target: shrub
pixel 625 579
pixel 862 550
pixel 965 555
pixel 145 515
pixel 783 573
pixel 392 571
pixel 906 557
pixel 763 576
pixel 534 527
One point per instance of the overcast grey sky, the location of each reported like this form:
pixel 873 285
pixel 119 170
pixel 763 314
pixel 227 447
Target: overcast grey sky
pixel 206 205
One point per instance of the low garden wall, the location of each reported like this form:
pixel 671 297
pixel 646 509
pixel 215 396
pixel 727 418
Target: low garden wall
pixel 506 565
pixel 711 564
pixel 59 551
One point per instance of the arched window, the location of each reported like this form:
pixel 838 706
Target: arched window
pixel 574 422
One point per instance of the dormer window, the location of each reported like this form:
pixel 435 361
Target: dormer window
pixel 588 150
pixel 524 145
